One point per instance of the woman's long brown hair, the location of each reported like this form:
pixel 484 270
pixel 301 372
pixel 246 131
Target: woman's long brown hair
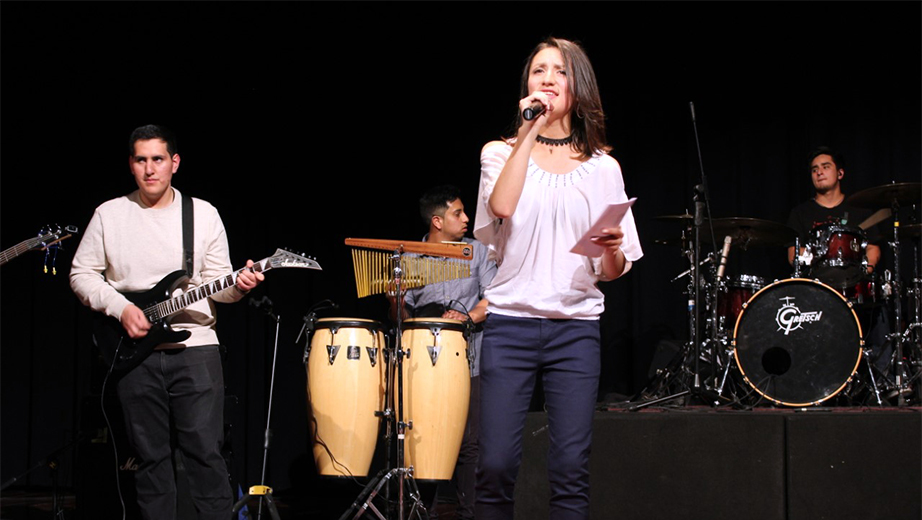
pixel 587 119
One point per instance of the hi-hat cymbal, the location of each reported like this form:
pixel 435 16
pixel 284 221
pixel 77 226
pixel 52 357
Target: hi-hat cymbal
pixel 746 232
pixel 884 196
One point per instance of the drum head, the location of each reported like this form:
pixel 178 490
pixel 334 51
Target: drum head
pixel 428 323
pixel 348 323
pixel 797 342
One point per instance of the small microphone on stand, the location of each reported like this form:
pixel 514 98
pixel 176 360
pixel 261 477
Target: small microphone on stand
pixel 264 304
pixel 311 317
pixel 723 257
pixel 535 110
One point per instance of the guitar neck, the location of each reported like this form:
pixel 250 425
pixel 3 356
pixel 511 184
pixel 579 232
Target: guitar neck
pixel 177 303
pixel 22 247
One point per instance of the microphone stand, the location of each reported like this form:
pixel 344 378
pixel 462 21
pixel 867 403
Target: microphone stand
pixel 262 490
pixel 702 213
pixel 702 206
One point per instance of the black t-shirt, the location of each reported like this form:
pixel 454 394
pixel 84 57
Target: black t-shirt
pixel 808 215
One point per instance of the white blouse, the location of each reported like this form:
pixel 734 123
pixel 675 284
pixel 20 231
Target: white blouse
pixel 538 276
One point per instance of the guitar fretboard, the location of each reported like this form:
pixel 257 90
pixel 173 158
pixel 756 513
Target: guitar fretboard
pixel 22 247
pixel 173 305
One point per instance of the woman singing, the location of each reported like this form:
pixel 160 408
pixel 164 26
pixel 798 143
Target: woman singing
pixel 540 192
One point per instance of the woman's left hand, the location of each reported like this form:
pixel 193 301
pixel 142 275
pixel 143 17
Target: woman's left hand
pixel 611 240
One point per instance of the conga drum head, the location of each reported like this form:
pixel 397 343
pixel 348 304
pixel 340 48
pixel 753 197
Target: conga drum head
pixel 797 342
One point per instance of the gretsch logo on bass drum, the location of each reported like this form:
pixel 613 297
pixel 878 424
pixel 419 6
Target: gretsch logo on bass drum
pixel 789 317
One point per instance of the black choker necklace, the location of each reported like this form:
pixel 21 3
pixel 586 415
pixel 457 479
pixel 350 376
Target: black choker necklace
pixel 555 142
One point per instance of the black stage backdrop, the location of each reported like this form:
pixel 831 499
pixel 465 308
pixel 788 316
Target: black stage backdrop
pixel 306 123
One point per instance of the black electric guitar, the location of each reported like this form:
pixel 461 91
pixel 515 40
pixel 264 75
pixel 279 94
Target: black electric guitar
pixel 49 236
pixel 123 353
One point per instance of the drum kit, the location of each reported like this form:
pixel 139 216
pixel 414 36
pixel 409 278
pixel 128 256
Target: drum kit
pixel 834 333
pixel 414 381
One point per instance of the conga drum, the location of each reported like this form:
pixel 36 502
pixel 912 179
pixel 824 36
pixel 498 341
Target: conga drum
pixel 436 390
pixel 345 387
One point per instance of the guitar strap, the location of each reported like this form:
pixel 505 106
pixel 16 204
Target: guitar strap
pixel 188 222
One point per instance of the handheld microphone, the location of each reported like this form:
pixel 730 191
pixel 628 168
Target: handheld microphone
pixel 723 257
pixel 535 110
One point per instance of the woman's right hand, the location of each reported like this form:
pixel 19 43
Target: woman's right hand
pixel 532 127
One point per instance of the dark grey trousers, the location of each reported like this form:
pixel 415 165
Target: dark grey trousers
pixel 182 389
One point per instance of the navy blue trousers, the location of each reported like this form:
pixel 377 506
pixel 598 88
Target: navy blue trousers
pixel 183 389
pixel 515 352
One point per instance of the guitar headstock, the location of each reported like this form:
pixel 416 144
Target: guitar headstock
pixel 284 258
pixel 50 238
pixel 51 234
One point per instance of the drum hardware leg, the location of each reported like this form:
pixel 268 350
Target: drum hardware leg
pixel 265 492
pixel 373 488
pixel 664 379
pixel 723 379
pixel 867 360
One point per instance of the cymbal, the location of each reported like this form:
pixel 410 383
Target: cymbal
pixel 884 196
pixel 669 241
pixel 747 232
pixel 911 230
pixel 686 216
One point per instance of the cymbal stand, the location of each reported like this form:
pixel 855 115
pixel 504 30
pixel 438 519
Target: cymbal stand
pixel 681 367
pixel 404 475
pixel 897 337
pixel 913 333
pixel 676 368
pixel 702 206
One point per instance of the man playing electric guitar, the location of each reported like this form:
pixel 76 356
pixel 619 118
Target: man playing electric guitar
pixel 130 244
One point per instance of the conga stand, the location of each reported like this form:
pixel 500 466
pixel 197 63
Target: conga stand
pixel 403 474
pixel 263 491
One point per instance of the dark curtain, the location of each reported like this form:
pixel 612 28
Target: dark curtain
pixel 306 123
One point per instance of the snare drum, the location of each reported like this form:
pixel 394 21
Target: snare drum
pixel 839 255
pixel 797 342
pixel 437 386
pixel 345 387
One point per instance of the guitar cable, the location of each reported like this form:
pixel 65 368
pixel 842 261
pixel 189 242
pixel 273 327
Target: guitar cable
pixel 102 406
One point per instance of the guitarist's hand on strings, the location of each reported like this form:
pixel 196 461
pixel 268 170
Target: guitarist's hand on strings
pixel 248 279
pixel 135 322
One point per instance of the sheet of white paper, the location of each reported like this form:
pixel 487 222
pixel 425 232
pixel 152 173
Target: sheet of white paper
pixel 611 217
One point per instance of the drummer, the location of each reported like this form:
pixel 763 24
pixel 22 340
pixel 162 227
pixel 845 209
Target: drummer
pixel 827 169
pixel 443 212
pixel 828 206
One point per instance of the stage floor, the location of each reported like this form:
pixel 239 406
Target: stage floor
pixel 686 462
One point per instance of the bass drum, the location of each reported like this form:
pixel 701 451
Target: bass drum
pixel 797 342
